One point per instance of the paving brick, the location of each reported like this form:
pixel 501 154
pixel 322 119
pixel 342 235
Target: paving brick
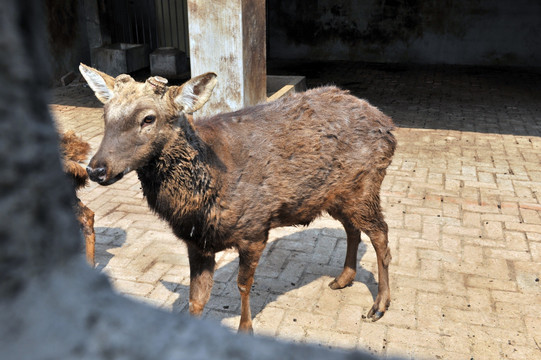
pixel 492 229
pixel 329 302
pixel 455 283
pixel 414 338
pixel 373 337
pixel 461 231
pixel 471 219
pixel 472 254
pixel 430 242
pixel 413 222
pixel 470 317
pixel 292 272
pixel 160 295
pixel 530 216
pixel 154 273
pixel 291 331
pixel 268 320
pixel 132 287
pixel 349 320
pixel 332 339
pixel 438 255
pixel 430 269
pixel 484 242
pixel 451 243
pixel 509 254
pixel 491 283
pixel 490 268
pixel 518 352
pixel 177 274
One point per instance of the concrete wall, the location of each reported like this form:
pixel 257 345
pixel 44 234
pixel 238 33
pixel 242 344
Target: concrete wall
pixel 480 32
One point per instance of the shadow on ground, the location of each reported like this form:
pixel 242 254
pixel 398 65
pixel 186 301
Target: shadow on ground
pixel 270 283
pixel 107 238
pixel 463 98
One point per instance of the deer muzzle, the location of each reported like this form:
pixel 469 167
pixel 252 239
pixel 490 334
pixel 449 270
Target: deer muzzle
pixel 99 174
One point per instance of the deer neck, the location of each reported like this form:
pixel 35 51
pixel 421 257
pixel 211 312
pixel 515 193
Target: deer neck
pixel 179 178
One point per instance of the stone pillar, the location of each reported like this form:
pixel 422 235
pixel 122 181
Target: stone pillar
pixel 228 37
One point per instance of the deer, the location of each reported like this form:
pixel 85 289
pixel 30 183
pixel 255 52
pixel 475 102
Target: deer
pixel 226 180
pixel 74 150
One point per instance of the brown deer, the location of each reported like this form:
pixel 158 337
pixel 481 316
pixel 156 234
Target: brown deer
pixel 225 181
pixel 74 149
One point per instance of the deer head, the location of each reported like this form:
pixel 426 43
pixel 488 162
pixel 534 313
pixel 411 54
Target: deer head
pixel 139 118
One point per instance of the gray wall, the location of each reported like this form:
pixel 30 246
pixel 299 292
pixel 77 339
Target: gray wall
pixel 480 32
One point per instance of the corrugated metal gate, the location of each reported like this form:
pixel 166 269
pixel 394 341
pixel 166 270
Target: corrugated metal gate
pixel 157 23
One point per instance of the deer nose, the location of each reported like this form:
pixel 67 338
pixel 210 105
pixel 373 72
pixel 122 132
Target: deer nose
pixel 97 174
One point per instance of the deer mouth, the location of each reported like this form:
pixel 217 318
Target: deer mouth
pixel 111 180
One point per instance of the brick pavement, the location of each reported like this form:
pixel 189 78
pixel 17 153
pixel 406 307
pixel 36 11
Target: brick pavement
pixel 462 200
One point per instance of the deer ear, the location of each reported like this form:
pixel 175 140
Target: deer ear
pixel 101 83
pixel 194 93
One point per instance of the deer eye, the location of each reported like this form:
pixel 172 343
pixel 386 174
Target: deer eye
pixel 149 119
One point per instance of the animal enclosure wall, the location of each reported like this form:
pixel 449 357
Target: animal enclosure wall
pixel 479 32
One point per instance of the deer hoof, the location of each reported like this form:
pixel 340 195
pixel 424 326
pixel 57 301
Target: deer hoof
pixel 335 285
pixel 374 314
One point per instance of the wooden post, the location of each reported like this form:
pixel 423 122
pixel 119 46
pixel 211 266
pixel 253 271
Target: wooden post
pixel 228 38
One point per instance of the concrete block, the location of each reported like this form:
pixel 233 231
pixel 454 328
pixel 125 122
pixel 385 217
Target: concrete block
pixel 169 62
pixel 68 78
pixel 120 58
pixel 280 85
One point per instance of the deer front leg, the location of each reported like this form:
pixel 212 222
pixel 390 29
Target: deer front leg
pixel 249 255
pixel 201 279
pixel 85 216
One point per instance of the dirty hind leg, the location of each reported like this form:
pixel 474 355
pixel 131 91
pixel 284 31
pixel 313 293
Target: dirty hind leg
pixel 383 253
pixel 371 223
pixel 249 255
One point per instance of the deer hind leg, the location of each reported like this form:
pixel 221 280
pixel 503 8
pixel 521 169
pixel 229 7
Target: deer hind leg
pixel 364 214
pixel 370 221
pixel 350 264
pixel 378 237
pixel 249 255
pixel 201 279
pixel 376 229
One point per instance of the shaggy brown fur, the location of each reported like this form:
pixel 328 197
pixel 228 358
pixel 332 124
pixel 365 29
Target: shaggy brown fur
pixel 225 181
pixel 74 149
